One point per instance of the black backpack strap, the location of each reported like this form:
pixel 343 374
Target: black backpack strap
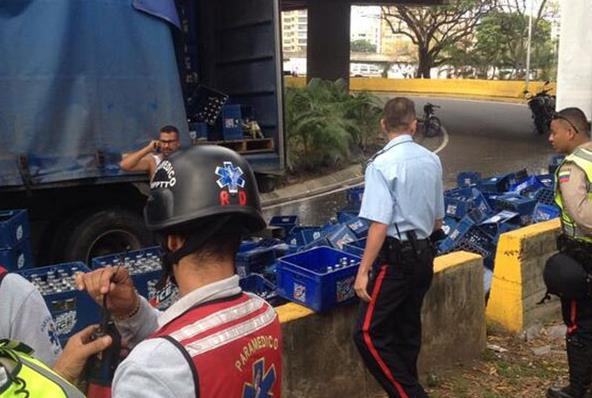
pixel 189 361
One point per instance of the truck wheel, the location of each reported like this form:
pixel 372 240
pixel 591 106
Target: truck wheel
pixel 105 232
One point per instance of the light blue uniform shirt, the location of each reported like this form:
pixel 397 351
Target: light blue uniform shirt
pixel 404 186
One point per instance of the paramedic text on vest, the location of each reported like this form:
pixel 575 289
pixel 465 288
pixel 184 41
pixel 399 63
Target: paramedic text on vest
pixel 570 135
pixel 404 201
pixel 215 341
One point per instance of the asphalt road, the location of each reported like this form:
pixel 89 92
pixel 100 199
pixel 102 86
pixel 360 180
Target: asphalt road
pixel 488 137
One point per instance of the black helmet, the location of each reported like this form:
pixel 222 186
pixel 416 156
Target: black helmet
pixel 198 183
pixel 565 277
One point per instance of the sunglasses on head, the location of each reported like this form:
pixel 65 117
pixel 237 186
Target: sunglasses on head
pixel 557 116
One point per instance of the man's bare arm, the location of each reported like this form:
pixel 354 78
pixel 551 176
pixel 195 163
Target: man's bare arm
pixel 140 160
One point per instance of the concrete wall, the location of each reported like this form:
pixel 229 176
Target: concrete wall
pixel 320 359
pixel 518 277
pixel 501 89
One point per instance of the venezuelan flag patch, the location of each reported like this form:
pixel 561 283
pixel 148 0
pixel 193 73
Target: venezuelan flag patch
pixel 564 176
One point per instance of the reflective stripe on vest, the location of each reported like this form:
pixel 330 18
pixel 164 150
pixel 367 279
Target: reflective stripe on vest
pixel 233 346
pixel 33 376
pixel 583 159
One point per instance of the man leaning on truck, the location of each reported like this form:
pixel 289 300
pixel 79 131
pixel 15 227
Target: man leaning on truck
pixel 148 158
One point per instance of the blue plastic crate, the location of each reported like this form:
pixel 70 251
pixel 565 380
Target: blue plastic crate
pixel 448 225
pixel 548 180
pixel 468 179
pixel 545 196
pixel 14 228
pixel 490 197
pixel 72 310
pixel 338 235
pixel 18 257
pixel 259 285
pixel 286 222
pixel 145 268
pixel 354 196
pixel 247 245
pixel 254 261
pixel 344 216
pixel 531 184
pixel 359 227
pixel 356 248
pixel 492 184
pixel 231 123
pixel 499 223
pixel 456 207
pixel 519 204
pixel 455 235
pixel 543 212
pixel 306 278
pixel 478 242
pixel 301 236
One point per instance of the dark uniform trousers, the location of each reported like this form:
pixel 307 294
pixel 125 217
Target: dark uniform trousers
pixel 388 329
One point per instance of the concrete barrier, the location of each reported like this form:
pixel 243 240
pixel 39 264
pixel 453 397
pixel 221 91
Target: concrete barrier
pixel 320 358
pixel 500 89
pixel 517 283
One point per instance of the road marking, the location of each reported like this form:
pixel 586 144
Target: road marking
pixel 345 185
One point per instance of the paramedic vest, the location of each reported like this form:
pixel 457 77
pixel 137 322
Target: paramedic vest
pixel 21 375
pixel 233 347
pixel 583 159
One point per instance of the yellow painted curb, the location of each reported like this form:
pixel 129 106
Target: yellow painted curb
pixel 506 301
pixel 452 87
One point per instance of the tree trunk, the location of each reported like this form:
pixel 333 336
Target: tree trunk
pixel 425 63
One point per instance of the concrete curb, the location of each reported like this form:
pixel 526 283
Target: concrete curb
pixel 349 176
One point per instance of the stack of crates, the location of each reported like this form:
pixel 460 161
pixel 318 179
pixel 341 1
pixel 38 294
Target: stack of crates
pixel 287 223
pixel 71 309
pixel 319 278
pixel 259 285
pixel 15 240
pixel 254 260
pixel 145 269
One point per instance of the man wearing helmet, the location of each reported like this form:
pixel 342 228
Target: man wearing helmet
pixel 566 272
pixel 215 341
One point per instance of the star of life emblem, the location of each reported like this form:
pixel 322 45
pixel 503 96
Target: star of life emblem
pixel 230 177
pixel 263 381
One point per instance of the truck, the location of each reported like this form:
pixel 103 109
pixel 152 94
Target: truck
pixel 83 82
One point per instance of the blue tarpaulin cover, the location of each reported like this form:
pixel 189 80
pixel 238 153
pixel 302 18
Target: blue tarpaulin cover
pixel 81 76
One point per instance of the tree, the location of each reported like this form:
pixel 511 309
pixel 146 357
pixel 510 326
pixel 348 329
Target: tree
pixel 435 29
pixel 501 38
pixel 362 46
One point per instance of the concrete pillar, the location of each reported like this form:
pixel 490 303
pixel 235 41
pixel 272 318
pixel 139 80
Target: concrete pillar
pixel 328 39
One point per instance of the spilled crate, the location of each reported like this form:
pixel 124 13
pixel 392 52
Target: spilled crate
pixel 319 278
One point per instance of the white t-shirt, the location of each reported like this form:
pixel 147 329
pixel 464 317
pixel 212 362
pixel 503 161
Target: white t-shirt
pixel 24 317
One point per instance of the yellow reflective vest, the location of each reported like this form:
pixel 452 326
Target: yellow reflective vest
pixel 22 376
pixel 583 159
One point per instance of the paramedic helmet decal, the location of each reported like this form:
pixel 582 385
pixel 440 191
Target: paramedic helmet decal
pixel 201 182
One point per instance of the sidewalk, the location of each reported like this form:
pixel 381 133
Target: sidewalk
pixel 349 176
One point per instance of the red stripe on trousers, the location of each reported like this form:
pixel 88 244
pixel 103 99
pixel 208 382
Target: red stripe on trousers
pixel 574 310
pixel 368 340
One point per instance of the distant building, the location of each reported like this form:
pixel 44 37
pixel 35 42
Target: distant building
pixel 294 31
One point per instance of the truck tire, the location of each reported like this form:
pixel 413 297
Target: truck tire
pixel 103 232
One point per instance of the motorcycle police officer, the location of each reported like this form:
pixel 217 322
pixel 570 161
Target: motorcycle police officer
pixel 404 201
pixel 215 341
pixel 567 273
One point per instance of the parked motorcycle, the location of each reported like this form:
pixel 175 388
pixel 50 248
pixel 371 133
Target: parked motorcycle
pixel 430 125
pixel 542 106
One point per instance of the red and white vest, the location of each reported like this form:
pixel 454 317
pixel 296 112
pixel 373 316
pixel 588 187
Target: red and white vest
pixel 233 347
pixel 3 273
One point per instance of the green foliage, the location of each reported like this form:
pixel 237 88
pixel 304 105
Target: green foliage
pixel 362 46
pixel 325 124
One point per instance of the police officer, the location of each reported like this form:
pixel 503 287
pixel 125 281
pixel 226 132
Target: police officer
pixel 403 200
pixel 570 135
pixel 216 341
